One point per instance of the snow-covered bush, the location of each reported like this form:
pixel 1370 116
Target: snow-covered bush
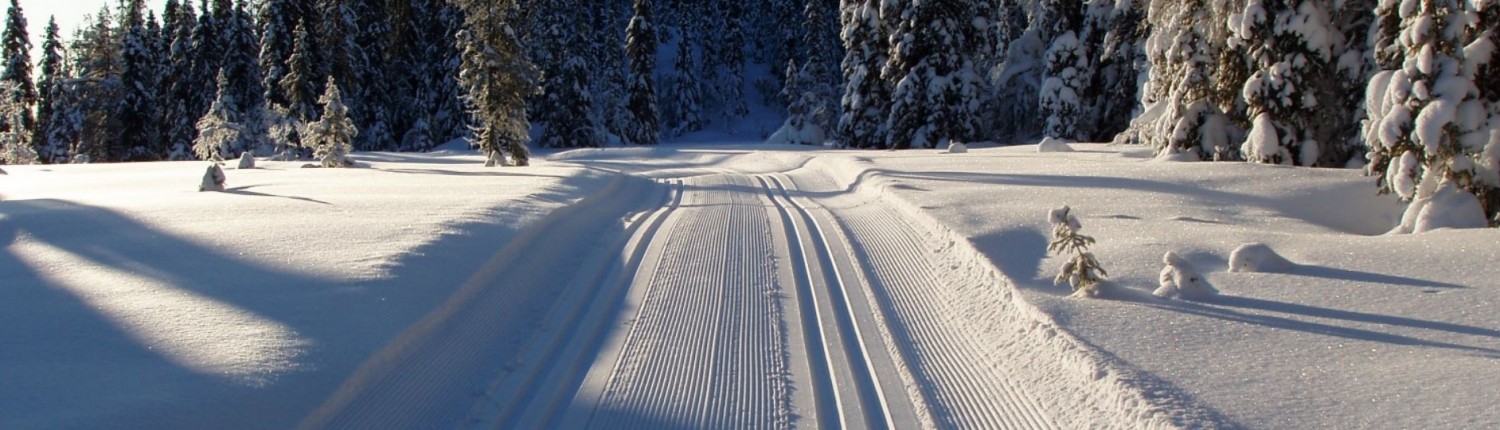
pixel 15 141
pixel 330 137
pixel 1179 279
pixel 1257 258
pixel 1445 207
pixel 247 161
pixel 1081 271
pixel 213 178
pixel 956 147
pixel 1049 144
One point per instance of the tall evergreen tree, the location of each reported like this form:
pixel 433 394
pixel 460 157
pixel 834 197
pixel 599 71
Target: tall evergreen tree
pixel 866 99
pixel 332 137
pixel 219 129
pixel 1121 58
pixel 278 21
pixel 17 52
pixel 140 134
pixel 97 53
pixel 731 83
pixel 497 78
pixel 49 87
pixel 1290 61
pixel 640 49
pixel 684 105
pixel 573 124
pixel 933 96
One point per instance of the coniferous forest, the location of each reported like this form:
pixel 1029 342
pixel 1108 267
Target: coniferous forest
pixel 1403 88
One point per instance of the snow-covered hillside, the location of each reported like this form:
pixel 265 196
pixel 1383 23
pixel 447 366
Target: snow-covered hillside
pixel 692 286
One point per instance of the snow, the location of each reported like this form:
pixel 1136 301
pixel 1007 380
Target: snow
pixel 1258 258
pixel 1181 280
pixel 1049 144
pixel 285 299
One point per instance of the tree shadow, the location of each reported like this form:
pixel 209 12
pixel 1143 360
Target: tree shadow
pixel 490 173
pixel 244 191
pixel 1229 308
pixel 1018 253
pixel 1367 277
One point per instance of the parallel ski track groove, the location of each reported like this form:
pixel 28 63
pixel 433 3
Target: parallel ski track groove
pixel 681 359
pixel 872 398
pixel 827 403
pixel 535 395
pixel 955 375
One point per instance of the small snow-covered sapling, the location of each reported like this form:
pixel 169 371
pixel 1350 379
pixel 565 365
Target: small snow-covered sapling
pixel 1179 279
pixel 1082 271
pixel 213 178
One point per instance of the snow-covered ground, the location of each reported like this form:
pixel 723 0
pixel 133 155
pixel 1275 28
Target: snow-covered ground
pixel 730 285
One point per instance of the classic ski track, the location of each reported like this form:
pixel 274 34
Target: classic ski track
pixel 535 394
pixel 703 343
pixel 963 386
pixel 430 375
pixel 861 365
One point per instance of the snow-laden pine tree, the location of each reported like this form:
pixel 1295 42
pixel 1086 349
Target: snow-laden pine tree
pixel 497 78
pixel 1018 79
pixel 820 41
pixel 17 52
pixel 299 92
pixel 1066 74
pixel 866 97
pixel 1192 126
pixel 49 89
pixel 242 66
pixel 332 137
pixel 640 50
pixel 96 53
pixel 1482 64
pixel 933 93
pixel 1291 45
pixel 573 123
pixel 220 128
pixel 1121 60
pixel 277 20
pixel 730 77
pixel 15 142
pixel 684 105
pixel 140 132
pixel 1434 127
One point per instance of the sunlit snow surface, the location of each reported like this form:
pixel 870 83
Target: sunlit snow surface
pixel 129 299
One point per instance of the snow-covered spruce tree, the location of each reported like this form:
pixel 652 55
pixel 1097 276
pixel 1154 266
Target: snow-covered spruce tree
pixel 933 95
pixel 1291 45
pixel 1433 131
pixel 686 101
pixel 220 128
pixel 298 90
pixel 799 127
pixel 49 87
pixel 1018 80
pixel 1065 79
pixel 1082 270
pixel 731 78
pixel 497 78
pixel 573 124
pixel 1192 126
pixel 17 52
pixel 1482 65
pixel 242 66
pixel 866 98
pixel 820 41
pixel 1121 59
pixel 98 64
pixel 15 142
pixel 140 132
pixel 332 137
pixel 278 20
pixel 640 50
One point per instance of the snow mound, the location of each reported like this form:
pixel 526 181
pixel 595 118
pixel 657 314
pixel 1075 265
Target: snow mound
pixel 1179 279
pixel 957 148
pixel 806 134
pixel 247 161
pixel 213 179
pixel 1053 145
pixel 1448 207
pixel 1258 258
